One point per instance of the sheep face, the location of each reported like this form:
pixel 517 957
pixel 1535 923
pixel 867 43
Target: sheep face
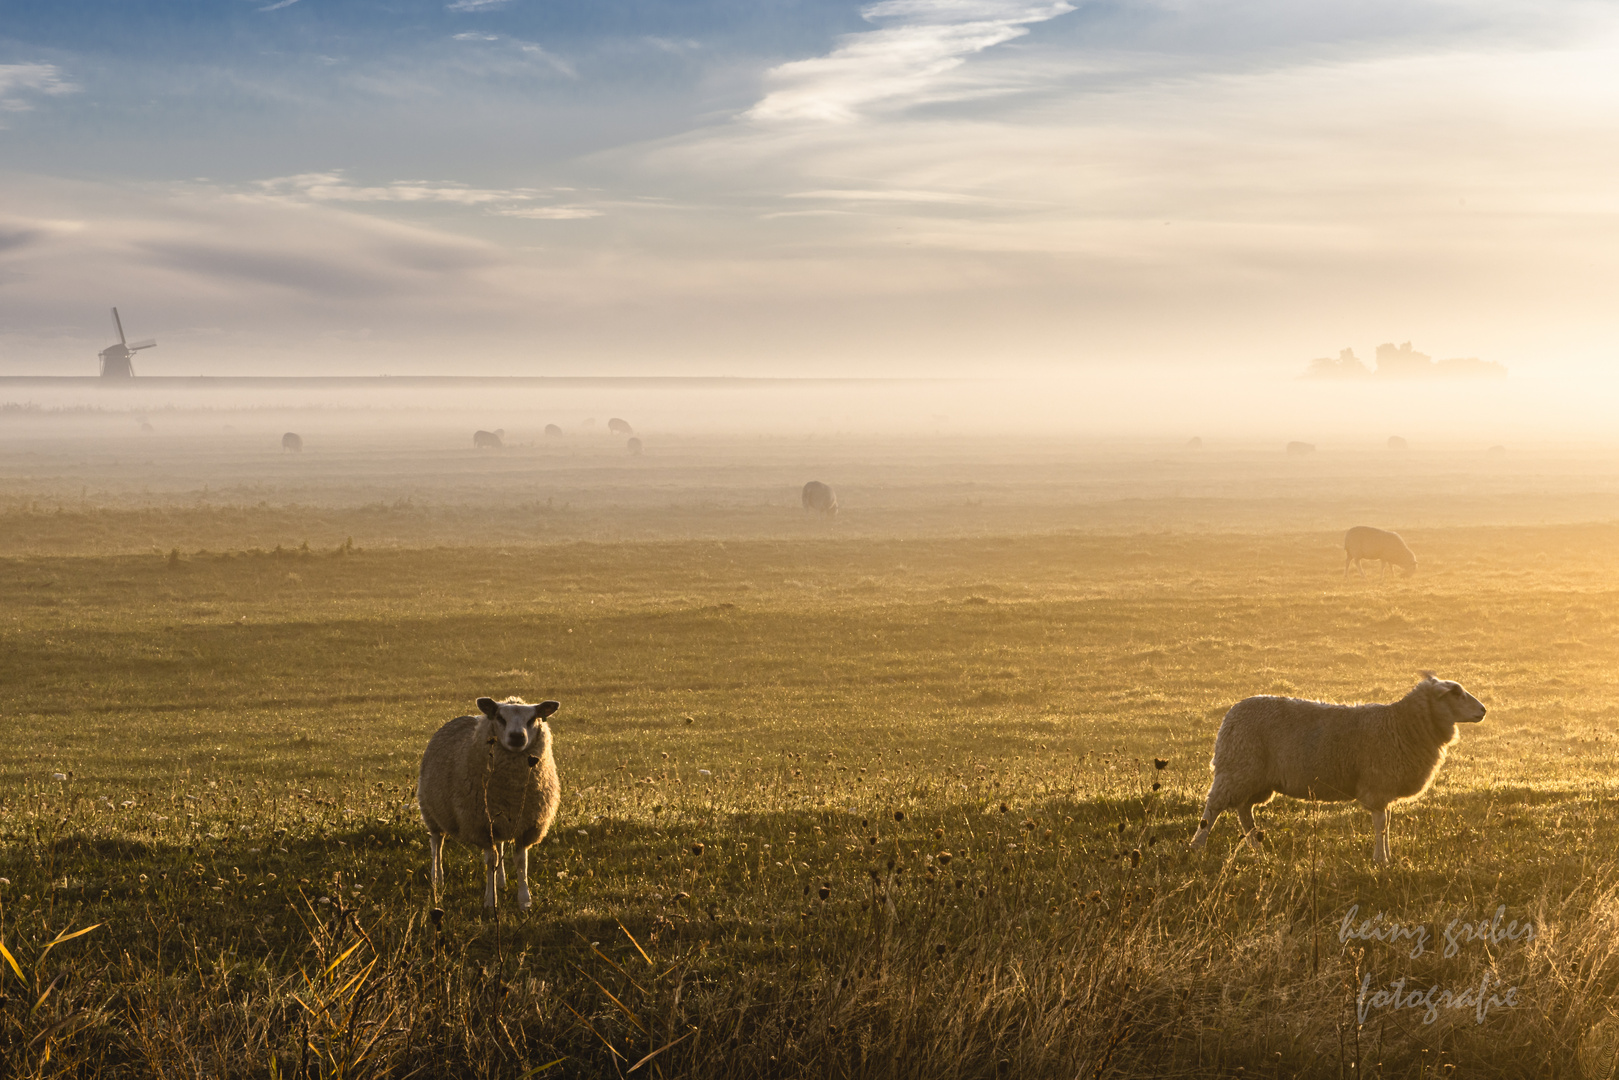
pixel 1452 704
pixel 517 726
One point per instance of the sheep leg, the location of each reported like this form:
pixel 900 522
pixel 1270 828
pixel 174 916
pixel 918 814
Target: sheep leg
pixel 491 863
pixel 1216 805
pixel 500 867
pixel 521 870
pixel 435 871
pixel 1360 565
pixel 1380 836
pixel 1245 815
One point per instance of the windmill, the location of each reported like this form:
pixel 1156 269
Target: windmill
pixel 115 359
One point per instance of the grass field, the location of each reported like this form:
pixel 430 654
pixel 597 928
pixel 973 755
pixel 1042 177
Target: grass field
pixel 767 747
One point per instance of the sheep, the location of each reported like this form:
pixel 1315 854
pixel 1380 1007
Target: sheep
pixel 819 496
pixel 1364 542
pixel 1300 449
pixel 486 440
pixel 615 426
pixel 1373 754
pixel 552 431
pixel 634 446
pixel 292 441
pixel 1398 443
pixel 1195 443
pixel 487 780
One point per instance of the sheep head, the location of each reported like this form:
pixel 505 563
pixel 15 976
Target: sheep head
pixel 1449 703
pixel 516 724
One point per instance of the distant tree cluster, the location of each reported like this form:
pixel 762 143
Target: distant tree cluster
pixel 1400 362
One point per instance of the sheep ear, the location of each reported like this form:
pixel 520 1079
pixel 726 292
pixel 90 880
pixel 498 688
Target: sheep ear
pixel 488 706
pixel 546 708
pixel 1428 676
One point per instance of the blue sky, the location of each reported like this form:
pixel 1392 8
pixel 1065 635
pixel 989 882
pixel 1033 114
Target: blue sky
pixel 803 187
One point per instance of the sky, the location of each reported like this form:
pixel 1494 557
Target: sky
pixel 806 187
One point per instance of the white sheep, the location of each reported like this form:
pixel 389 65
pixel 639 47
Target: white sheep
pixel 1364 542
pixel 1373 754
pixel 488 780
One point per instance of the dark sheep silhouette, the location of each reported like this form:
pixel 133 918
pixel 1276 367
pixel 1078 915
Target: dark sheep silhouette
pixel 487 440
pixel 615 426
pixel 292 441
pixel 818 496
pixel 552 431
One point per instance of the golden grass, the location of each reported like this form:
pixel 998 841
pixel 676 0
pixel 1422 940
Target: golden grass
pixel 242 732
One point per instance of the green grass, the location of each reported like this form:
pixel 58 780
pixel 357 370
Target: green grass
pixel 242 733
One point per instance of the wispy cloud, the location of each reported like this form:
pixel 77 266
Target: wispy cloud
pixel 278 5
pixel 550 213
pixel 528 49
pixel 900 64
pixel 475 5
pixel 333 187
pixel 18 82
pixel 673 45
pixel 860 195
pixel 555 61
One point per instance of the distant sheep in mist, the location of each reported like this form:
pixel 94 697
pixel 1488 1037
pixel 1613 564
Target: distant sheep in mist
pixel 1300 449
pixel 487 440
pixel 1364 542
pixel 1397 443
pixel 615 426
pixel 820 497
pixel 552 431
pixel 1372 754
pixel 487 781
pixel 1195 443
pixel 293 442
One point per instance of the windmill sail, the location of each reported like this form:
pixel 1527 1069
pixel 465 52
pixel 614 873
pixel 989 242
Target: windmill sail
pixel 118 324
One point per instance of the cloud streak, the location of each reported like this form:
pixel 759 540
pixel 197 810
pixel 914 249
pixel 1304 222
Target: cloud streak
pixel 902 63
pixel 19 83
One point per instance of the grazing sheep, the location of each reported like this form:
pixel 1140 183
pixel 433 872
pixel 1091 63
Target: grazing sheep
pixel 552 431
pixel 487 780
pixel 292 441
pixel 486 440
pixel 1195 443
pixel 1300 449
pixel 1373 754
pixel 615 426
pixel 634 446
pixel 1364 542
pixel 1397 443
pixel 818 496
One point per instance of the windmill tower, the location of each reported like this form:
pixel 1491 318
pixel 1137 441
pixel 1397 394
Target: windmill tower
pixel 115 359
